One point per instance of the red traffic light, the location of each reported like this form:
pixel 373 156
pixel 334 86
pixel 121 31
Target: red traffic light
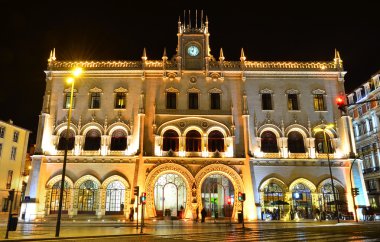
pixel 339 100
pixel 229 200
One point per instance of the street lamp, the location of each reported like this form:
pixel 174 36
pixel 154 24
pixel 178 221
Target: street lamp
pixel 327 148
pixel 76 73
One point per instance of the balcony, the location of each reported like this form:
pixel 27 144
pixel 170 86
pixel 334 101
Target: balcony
pixel 298 155
pixel 371 170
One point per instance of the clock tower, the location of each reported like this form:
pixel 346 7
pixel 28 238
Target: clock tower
pixel 193 51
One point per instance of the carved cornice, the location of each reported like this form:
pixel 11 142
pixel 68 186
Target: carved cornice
pixel 95 89
pixel 172 89
pixel 193 89
pixel 299 162
pixel 120 89
pixel 318 91
pixel 215 90
pixel 266 90
pixel 292 91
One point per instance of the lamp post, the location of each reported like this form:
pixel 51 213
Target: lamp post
pixel 327 147
pixel 71 80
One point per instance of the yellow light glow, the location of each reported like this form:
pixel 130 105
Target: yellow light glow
pixel 77 71
pixel 29 167
pixel 70 80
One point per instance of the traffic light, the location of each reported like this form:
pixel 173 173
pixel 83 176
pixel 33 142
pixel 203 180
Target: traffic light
pixel 355 191
pixel 241 197
pixel 136 190
pixel 341 104
pixel 143 198
pixel 229 200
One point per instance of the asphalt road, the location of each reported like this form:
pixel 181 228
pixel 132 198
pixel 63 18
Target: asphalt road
pixel 189 231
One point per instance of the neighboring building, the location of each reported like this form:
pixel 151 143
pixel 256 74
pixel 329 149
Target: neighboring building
pixel 13 148
pixel 193 131
pixel 367 133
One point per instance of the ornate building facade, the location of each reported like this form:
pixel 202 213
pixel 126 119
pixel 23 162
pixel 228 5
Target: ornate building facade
pixel 193 131
pixel 364 109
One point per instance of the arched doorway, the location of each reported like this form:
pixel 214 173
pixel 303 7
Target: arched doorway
pixel 170 195
pixel 55 195
pixel 87 197
pixel 115 197
pixel 269 142
pixel 274 204
pixel 215 191
pixel 119 140
pixel 215 141
pixel 295 142
pixel 302 201
pixel 62 140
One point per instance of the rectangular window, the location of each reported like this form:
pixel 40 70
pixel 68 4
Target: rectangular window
pixel 2 132
pixel 95 100
pixel 319 103
pixel 13 153
pixel 215 100
pixel 370 124
pixel 67 101
pixel 266 99
pixel 193 100
pixel 9 179
pixel 292 102
pixel 171 100
pixel 15 136
pixel 120 100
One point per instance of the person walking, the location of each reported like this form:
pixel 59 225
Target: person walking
pixel 197 214
pixel 131 213
pixel 203 214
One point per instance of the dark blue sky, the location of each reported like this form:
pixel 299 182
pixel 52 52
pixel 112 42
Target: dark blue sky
pixel 112 30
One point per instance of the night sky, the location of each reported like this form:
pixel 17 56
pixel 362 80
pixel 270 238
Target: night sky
pixel 285 31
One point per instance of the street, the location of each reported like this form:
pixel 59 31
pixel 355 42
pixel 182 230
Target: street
pixel 190 231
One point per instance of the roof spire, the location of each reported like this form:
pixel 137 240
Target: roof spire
pixel 221 56
pixel 164 56
pixel 242 56
pixel 144 58
pixel 52 55
pixel 337 60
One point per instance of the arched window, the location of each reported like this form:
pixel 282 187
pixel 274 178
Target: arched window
pixel 269 142
pixel 119 140
pixel 62 140
pixel 215 141
pixel 92 141
pixel 302 201
pixel 87 197
pixel 295 142
pixel 328 198
pixel 115 196
pixel 273 195
pixel 193 141
pixel 320 143
pixel 171 141
pixel 55 195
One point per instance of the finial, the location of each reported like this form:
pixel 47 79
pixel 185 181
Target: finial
pixel 52 56
pixel 221 56
pixel 164 57
pixel 206 20
pixel 242 56
pixel 337 59
pixel 144 58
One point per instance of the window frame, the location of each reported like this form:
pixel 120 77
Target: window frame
pixel 173 95
pixel 2 131
pixel 218 102
pixel 266 103
pixel 122 106
pixel 193 105
pixel 293 103
pixel 16 135
pixel 9 179
pixel 13 153
pixel 319 102
pixel 93 97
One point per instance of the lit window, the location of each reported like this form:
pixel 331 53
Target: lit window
pixel 95 100
pixel 266 99
pixel 293 102
pixel 13 153
pixel 9 179
pixel 215 100
pixel 120 100
pixel 2 132
pixel 67 100
pixel 319 103
pixel 15 136
pixel 171 100
pixel 193 100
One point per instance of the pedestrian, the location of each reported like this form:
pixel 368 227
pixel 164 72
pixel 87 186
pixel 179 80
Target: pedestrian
pixel 203 214
pixel 122 208
pixel 364 212
pixel 317 214
pixel 131 213
pixel 197 214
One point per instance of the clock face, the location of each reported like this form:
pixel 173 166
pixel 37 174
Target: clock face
pixel 193 50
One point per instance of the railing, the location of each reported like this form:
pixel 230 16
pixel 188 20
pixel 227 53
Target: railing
pixel 371 170
pixel 298 155
pixel 271 155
